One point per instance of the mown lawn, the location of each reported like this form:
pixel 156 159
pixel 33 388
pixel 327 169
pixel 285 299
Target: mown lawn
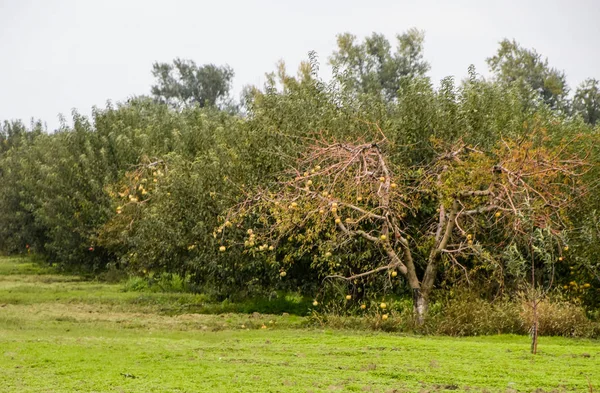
pixel 62 334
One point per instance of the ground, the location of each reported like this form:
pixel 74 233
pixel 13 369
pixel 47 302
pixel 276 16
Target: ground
pixel 63 334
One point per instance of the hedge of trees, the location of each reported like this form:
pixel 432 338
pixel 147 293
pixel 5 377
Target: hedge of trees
pixel 188 182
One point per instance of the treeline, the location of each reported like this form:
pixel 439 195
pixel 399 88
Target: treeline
pixel 146 185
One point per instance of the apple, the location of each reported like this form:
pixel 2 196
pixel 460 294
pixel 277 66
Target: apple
pixel 384 317
pixel 222 248
pixel 383 306
pixel 363 306
pixel 348 297
pixel 315 303
pixel 283 274
pixel 394 273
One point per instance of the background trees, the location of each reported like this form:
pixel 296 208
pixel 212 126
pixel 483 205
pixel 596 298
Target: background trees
pixel 372 68
pixel 183 83
pixel 586 102
pixel 525 67
pixel 146 185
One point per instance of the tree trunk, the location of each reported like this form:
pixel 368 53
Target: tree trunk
pixel 420 306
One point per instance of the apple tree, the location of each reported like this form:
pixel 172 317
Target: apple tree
pixel 415 219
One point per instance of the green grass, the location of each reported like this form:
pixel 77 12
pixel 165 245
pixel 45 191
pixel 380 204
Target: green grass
pixel 61 334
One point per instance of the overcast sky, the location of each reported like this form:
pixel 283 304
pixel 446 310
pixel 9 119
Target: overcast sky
pixel 60 55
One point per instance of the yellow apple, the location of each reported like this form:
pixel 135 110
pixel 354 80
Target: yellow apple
pixel 384 317
pixel 383 306
pixel 222 248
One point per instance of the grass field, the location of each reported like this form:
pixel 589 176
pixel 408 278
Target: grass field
pixel 63 334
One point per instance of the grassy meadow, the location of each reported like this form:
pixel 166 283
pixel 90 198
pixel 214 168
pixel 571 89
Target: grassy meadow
pixel 61 333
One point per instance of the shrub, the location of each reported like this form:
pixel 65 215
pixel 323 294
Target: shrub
pixel 559 318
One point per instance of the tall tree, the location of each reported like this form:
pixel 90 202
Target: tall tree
pixel 515 64
pixel 587 101
pixel 183 83
pixel 370 67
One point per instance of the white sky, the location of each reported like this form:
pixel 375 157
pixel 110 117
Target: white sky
pixel 60 55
